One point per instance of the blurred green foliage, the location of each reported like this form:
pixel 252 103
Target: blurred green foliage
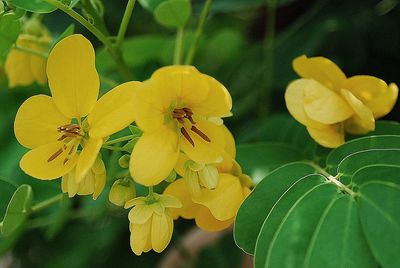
pixel 361 36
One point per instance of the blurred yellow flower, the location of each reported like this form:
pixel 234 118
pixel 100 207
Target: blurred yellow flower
pixel 23 68
pixel 329 104
pixel 92 183
pixel 52 127
pixel 151 222
pixel 178 109
pixel 121 191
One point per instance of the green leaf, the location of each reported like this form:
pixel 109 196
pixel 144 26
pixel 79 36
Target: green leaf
pixel 130 145
pixel 338 240
pixel 18 209
pixel 150 5
pixel 289 245
pixel 258 204
pixel 10 27
pixel 258 159
pixel 386 128
pixel 380 219
pixel 37 6
pixel 361 144
pixel 376 173
pixel 173 13
pixel 135 130
pixel 354 162
pixel 278 213
pixel 7 188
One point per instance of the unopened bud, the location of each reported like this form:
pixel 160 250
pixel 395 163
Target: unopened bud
pixel 123 161
pixel 121 191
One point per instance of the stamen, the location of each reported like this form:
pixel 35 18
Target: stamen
pixel 65 160
pixel 191 120
pixel 187 136
pixel 201 134
pixel 55 155
pixel 62 137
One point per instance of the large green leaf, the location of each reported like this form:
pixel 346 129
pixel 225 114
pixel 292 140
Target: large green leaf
pixel 37 6
pixel 10 27
pixel 18 209
pixel 259 203
pixel 278 213
pixel 258 159
pixel 380 218
pixel 338 240
pixel 376 173
pixel 289 245
pixel 173 13
pixel 361 144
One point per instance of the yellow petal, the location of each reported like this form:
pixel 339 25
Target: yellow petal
pixel 87 158
pixel 330 136
pixel 204 152
pixel 206 221
pixel 73 79
pixel 38 64
pixel 294 98
pixel 154 156
pixel 86 185
pixel 323 105
pixel 68 184
pixel 114 111
pixel 363 115
pixel 169 201
pixel 179 190
pixel 37 121
pixel 140 214
pixel 140 237
pixel 99 183
pixel 17 65
pixel 180 165
pixel 373 92
pixel 230 146
pixel 136 201
pixel 35 162
pixel 321 69
pixel 161 231
pixel 225 200
pixel 218 102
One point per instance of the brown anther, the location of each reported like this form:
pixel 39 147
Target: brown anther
pixel 55 155
pixel 191 120
pixel 201 134
pixel 70 130
pixel 65 160
pixel 187 111
pixel 187 136
pixel 62 137
pixel 71 150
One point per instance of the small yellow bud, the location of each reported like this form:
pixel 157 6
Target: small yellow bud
pixel 121 191
pixel 200 175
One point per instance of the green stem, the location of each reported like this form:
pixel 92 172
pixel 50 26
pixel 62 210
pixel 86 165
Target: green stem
pixel 198 33
pixel 114 52
pixel 46 203
pixel 125 21
pixel 151 190
pixel 124 138
pixel 31 51
pixel 113 148
pixel 268 59
pixel 179 46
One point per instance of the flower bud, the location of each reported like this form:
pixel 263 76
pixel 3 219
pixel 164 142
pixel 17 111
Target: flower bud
pixel 121 191
pixel 123 161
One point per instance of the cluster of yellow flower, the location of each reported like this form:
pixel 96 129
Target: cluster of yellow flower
pixel 179 111
pixel 330 104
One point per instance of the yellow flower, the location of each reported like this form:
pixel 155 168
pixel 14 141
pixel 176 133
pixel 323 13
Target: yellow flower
pixel 92 183
pixel 213 210
pixel 52 127
pixel 23 68
pixel 151 223
pixel 121 191
pixel 330 104
pixel 178 109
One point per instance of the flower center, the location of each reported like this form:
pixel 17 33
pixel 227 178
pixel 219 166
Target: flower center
pixel 71 135
pixel 180 114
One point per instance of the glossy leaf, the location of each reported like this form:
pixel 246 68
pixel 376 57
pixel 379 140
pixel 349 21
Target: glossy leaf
pixel 289 245
pixel 258 159
pixel 278 213
pixel 173 13
pixel 18 209
pixel 361 144
pixel 338 240
pixel 37 6
pixel 262 199
pixel 380 218
pixel 7 188
pixel 376 173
